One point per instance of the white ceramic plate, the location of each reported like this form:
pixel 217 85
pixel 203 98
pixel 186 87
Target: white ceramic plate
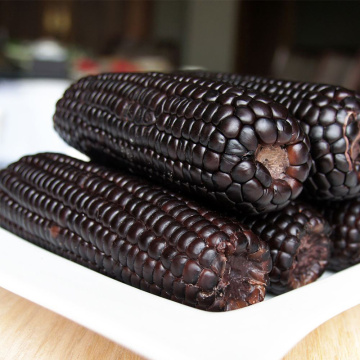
pixel 151 326
pixel 161 329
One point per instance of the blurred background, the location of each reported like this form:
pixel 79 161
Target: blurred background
pixel 307 40
pixel 45 44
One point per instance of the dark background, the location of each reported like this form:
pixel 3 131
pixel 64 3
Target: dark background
pixel 306 40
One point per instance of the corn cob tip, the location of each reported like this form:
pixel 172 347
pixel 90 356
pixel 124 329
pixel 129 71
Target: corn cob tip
pixel 244 282
pixel 298 238
pixel 311 259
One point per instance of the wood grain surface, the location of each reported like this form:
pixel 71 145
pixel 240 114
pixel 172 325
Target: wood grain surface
pixel 28 331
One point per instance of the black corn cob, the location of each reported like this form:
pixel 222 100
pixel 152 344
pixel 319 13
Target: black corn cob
pixel 225 143
pixel 344 218
pixel 298 237
pixel 134 231
pixel 330 116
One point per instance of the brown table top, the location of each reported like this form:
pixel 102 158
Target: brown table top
pixel 29 331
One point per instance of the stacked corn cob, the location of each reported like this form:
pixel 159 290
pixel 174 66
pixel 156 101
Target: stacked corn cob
pixel 133 231
pixel 220 142
pixel 330 115
pixel 223 143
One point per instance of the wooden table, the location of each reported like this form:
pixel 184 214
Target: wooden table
pixel 28 331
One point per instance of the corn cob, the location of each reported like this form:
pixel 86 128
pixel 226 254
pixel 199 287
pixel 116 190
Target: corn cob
pixel 133 231
pixel 298 237
pixel 330 115
pixel 344 218
pixel 224 143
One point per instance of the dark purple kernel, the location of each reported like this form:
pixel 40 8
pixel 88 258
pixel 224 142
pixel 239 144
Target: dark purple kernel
pixel 248 138
pixel 234 147
pixel 284 261
pixel 211 95
pixel 243 101
pixel 135 231
pixel 351 103
pixel 252 190
pixel 312 116
pixel 341 162
pixel 178 264
pixel 198 155
pixel 284 131
pixel 139 262
pixel 195 248
pixel 351 180
pixel 199 93
pixel 234 191
pixel 185 240
pixel 217 238
pixel 222 113
pixel 319 149
pixel 327 116
pixel 260 109
pixel 179 289
pixel 206 178
pixel 282 192
pixel 278 111
pixel 207 280
pixel 333 133
pixel 159 272
pixel 326 163
pixel 196 131
pixel 177 127
pixel 321 101
pixel 155 249
pixel 167 256
pixel 266 131
pixel 316 133
pixel 191 293
pixel 211 161
pixel 226 99
pixel 191 272
pixel 230 126
pixel 217 142
pixel 228 162
pixel 206 131
pixel 263 175
pixel 221 180
pixel 198 115
pixel 207 257
pixel 336 177
pixel 208 114
pixel 298 154
pixel 219 264
pixel 243 172
pixel 321 181
pixel 245 115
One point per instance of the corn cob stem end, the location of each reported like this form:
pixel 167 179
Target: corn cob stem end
pixel 311 259
pixel 244 280
pixel 275 159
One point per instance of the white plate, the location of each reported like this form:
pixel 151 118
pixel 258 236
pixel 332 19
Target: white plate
pixel 26 111
pixel 151 326
pixel 161 329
